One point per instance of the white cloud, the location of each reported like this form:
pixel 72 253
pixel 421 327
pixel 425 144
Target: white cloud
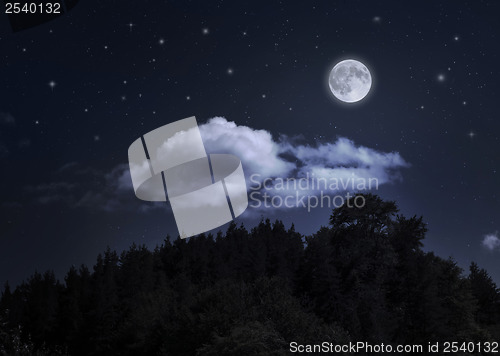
pixel 341 162
pixel 491 241
pixel 260 154
pixel 344 153
pixel 257 149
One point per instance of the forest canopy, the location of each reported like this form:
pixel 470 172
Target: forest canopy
pixel 364 277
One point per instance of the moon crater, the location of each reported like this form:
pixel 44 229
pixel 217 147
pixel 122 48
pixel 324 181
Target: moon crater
pixel 350 81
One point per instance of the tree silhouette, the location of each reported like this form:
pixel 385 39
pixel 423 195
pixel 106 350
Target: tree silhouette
pixel 364 277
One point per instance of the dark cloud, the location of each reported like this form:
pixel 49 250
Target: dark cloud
pixel 7 119
pixel 82 187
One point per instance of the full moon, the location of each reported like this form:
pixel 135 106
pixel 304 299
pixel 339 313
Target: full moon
pixel 350 81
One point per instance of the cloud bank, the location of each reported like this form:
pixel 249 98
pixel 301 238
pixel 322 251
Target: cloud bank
pixel 267 157
pixel 260 154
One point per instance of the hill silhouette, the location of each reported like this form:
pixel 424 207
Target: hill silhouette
pixel 364 277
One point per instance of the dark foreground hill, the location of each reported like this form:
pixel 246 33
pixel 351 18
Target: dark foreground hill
pixel 362 278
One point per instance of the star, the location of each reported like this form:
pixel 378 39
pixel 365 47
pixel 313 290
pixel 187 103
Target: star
pixel 52 84
pixel 471 134
pixel 37 122
pixel 188 97
pixel 124 98
pixel 161 41
pixel 456 38
pixel 263 96
pixel 441 77
pixel 205 31
pixel 230 71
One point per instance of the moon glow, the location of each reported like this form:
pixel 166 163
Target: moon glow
pixel 350 81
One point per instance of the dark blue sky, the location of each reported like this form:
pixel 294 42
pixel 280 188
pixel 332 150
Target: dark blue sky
pixel 120 69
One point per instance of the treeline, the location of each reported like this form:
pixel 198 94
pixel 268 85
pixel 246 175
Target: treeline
pixel 362 278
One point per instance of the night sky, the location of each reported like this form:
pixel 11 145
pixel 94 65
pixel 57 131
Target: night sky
pixel 77 91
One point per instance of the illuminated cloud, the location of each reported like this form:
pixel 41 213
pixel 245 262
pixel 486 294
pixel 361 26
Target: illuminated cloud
pixel 491 242
pixel 260 154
